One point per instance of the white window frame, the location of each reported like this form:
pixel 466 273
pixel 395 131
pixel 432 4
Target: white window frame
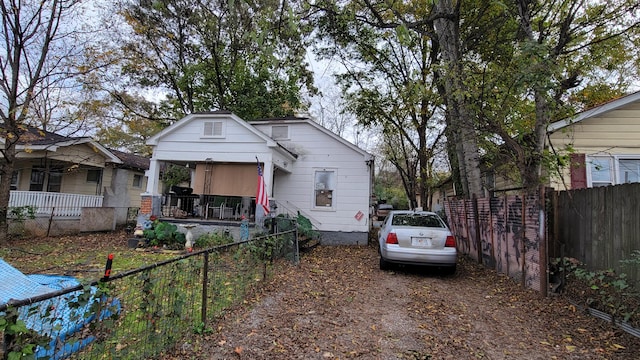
pixel 210 129
pixel 331 187
pixel 614 165
pixel 278 136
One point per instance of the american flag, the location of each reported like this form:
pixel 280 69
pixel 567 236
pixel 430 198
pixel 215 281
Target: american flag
pixel 261 195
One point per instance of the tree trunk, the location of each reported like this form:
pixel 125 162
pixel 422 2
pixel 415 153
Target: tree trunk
pixel 463 129
pixel 6 170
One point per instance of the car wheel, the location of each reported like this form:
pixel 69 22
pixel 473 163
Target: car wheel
pixel 450 270
pixel 384 265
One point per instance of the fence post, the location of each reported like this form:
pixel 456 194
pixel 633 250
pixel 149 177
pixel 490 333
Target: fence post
pixel 476 224
pixel 53 210
pixel 205 281
pixel 542 229
pixel 295 236
pixel 466 225
pixel 523 244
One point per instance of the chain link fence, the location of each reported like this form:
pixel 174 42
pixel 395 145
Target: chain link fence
pixel 145 312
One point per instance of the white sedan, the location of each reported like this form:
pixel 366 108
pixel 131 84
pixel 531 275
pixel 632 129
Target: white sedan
pixel 417 238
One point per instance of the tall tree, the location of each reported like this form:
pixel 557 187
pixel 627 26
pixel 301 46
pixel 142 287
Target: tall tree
pixel 543 62
pixel 242 56
pixel 39 44
pixel 388 83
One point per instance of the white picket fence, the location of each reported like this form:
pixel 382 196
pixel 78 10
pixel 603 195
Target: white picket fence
pixel 56 204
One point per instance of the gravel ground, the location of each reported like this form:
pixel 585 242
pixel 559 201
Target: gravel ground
pixel 337 304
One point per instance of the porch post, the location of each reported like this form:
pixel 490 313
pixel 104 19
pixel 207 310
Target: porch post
pixel 151 202
pixel 153 177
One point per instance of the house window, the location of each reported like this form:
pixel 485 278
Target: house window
pixel 213 129
pixel 280 132
pixel 628 171
pixel 37 179
pixel 55 180
pixel 324 185
pixel 600 169
pixel 137 181
pixel 14 179
pixel 93 176
pixel 38 176
pixel 613 170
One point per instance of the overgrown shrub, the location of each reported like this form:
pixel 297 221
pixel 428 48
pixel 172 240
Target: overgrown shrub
pixel 604 290
pixel 213 239
pixel 164 234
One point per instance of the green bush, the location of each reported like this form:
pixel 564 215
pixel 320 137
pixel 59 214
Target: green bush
pixel 165 234
pixel 213 239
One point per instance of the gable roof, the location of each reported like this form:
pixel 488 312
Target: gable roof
pixel 595 111
pixel 306 120
pixel 210 115
pixel 36 139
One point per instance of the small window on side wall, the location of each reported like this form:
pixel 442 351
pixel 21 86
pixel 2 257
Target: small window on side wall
pixel 214 129
pixel 280 132
pixel 324 185
pixel 137 181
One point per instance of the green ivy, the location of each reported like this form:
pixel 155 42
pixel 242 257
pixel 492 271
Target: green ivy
pixel 604 290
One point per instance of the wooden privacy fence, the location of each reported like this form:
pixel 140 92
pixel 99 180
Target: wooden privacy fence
pixel 504 233
pixel 598 226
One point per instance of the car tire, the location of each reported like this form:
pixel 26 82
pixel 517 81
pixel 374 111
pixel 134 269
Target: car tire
pixel 450 271
pixel 384 265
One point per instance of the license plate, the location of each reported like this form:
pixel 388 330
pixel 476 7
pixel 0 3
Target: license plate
pixel 420 241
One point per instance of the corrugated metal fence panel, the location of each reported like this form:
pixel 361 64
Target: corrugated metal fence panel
pixel 532 241
pixel 456 216
pixel 509 229
pixel 485 222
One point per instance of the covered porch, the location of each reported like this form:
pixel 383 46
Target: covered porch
pixel 218 190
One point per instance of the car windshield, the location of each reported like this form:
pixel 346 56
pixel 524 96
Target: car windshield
pixel 421 220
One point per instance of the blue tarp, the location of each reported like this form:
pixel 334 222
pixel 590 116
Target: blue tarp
pixel 58 318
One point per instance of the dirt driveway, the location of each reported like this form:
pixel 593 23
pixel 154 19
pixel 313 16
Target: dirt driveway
pixel 337 304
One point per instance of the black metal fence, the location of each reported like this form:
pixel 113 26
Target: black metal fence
pixel 145 312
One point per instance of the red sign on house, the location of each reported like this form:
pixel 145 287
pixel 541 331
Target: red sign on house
pixel 359 215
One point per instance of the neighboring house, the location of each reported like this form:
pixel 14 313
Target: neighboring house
pixel 605 149
pixel 123 183
pixel 307 169
pixel 606 145
pixel 60 175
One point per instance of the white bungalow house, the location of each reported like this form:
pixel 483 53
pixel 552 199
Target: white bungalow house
pixel 307 170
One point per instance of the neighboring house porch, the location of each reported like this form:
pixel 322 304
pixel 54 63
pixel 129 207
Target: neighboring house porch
pixel 60 176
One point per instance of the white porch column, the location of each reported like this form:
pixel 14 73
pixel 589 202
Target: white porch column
pixel 153 177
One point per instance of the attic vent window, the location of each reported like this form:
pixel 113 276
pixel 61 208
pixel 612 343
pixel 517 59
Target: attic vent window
pixel 280 132
pixel 213 129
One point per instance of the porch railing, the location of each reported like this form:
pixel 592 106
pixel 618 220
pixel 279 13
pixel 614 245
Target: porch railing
pixel 56 204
